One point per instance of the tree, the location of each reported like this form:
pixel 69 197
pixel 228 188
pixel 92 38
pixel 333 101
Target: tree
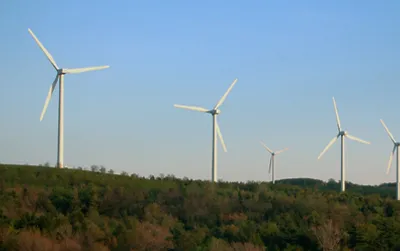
pixel 102 169
pixel 94 168
pixel 328 235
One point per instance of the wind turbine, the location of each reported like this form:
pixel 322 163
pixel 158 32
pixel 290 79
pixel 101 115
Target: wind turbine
pixel 341 134
pixel 60 77
pixel 214 112
pixel 272 160
pixel 395 148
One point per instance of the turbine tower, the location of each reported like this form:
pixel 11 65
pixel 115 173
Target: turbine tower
pixel 395 148
pixel 341 134
pixel 60 77
pixel 272 160
pixel 216 130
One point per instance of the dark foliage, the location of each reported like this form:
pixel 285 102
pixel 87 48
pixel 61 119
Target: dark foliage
pixel 43 208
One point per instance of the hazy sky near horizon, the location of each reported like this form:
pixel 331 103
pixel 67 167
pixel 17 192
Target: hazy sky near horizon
pixel 290 58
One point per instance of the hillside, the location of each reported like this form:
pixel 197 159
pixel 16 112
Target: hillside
pixel 44 208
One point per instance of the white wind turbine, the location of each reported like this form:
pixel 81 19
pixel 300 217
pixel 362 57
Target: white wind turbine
pixel 341 134
pixel 272 160
pixel 214 112
pixel 395 148
pixel 60 77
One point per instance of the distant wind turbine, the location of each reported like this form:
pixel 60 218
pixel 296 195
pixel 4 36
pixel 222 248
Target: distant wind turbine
pixel 216 130
pixel 60 76
pixel 341 134
pixel 272 160
pixel 395 148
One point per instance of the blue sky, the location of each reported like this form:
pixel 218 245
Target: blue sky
pixel 290 58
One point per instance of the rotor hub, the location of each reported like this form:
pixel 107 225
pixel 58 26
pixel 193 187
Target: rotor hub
pixel 60 72
pixel 215 112
pixel 343 133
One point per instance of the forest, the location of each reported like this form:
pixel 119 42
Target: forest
pixel 44 208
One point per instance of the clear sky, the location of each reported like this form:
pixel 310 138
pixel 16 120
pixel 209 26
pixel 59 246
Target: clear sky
pixel 290 58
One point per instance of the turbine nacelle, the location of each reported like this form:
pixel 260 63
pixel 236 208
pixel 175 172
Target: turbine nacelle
pixel 343 133
pixel 214 111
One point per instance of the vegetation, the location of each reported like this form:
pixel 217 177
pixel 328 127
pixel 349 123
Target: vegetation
pixel 43 208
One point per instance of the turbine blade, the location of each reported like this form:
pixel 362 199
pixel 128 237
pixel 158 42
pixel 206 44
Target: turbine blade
pixel 357 139
pixel 390 160
pixel 270 164
pixel 328 146
pixel 193 108
pixel 266 147
pixel 80 70
pixel 48 55
pixel 225 95
pixel 337 115
pixel 281 151
pixel 46 103
pixel 388 132
pixel 220 136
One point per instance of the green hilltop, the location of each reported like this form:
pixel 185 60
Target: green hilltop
pixel 43 208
